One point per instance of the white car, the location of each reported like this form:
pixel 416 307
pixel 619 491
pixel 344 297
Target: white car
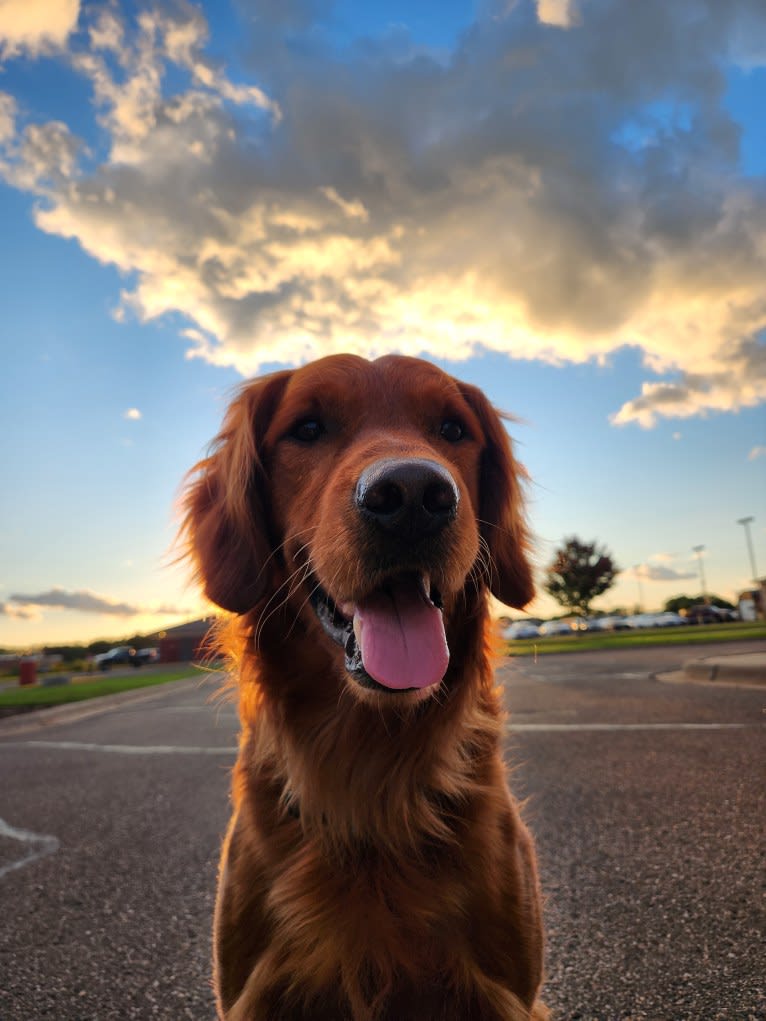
pixel 641 620
pixel 669 619
pixel 521 629
pixel 594 624
pixel 666 619
pixel 555 627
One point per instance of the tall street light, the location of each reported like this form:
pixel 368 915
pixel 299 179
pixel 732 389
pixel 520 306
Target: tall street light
pixel 698 550
pixel 640 588
pixel 746 523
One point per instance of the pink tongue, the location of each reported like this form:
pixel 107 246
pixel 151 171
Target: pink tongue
pixel 402 638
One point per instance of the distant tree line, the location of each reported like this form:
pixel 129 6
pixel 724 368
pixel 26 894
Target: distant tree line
pixel 72 653
pixel 69 653
pixel 678 603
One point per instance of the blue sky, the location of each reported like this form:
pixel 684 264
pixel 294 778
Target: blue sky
pixel 563 202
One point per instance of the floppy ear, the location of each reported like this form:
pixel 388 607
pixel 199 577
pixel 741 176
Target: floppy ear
pixel 501 507
pixel 226 522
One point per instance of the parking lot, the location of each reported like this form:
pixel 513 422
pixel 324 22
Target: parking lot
pixel 646 800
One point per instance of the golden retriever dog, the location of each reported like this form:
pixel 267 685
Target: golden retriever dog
pixel 354 516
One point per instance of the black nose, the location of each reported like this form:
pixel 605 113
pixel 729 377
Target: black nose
pixel 410 498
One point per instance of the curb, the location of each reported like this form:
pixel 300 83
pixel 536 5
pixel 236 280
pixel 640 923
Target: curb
pixel 746 670
pixel 746 667
pixel 72 712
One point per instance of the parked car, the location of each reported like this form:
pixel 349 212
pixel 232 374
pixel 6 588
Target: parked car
pixel 642 620
pixel 145 657
pixel 619 623
pixel 669 619
pixel 598 624
pixel 609 623
pixel 702 613
pixel 122 655
pixel 555 627
pixel 521 629
pixel 665 619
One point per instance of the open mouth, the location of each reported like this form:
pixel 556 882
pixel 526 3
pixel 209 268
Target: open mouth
pixel 393 638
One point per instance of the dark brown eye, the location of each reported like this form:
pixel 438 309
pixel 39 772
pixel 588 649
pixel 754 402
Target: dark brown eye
pixel 452 430
pixel 307 431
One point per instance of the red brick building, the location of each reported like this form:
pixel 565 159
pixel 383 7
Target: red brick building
pixel 184 643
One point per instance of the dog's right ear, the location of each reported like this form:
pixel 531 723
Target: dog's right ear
pixel 502 522
pixel 225 525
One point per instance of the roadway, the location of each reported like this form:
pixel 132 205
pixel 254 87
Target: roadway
pixel 646 799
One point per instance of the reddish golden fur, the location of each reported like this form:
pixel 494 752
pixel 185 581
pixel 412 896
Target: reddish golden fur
pixel 376 867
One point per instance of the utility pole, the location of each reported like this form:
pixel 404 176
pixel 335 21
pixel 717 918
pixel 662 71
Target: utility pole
pixel 745 522
pixel 699 550
pixel 640 588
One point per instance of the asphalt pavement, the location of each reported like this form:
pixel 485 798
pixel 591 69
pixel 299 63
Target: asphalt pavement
pixel 646 799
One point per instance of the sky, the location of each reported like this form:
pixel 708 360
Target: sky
pixel 562 201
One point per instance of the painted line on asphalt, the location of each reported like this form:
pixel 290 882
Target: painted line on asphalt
pixel 123 749
pixel 541 728
pixel 554 727
pixel 217 709
pixel 41 845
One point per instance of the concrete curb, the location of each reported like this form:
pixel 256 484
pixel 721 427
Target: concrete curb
pixel 742 670
pixel 71 712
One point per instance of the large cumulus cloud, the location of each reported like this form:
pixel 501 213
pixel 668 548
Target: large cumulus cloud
pixel 566 182
pixel 36 26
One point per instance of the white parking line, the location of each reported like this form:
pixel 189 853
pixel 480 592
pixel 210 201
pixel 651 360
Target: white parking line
pixel 553 727
pixel 42 844
pixel 124 749
pixel 217 709
pixel 520 728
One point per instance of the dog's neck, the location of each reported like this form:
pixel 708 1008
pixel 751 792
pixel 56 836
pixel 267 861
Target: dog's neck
pixel 358 772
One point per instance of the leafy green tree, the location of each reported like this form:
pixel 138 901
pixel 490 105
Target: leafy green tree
pixel 678 603
pixel 69 653
pixel 580 571
pixel 100 646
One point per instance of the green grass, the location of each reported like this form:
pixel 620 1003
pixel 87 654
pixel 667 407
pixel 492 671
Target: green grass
pixel 79 691
pixel 685 635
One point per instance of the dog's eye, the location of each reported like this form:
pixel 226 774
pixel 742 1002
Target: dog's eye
pixel 307 431
pixel 452 430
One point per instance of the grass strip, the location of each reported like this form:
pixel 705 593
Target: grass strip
pixel 582 641
pixel 39 695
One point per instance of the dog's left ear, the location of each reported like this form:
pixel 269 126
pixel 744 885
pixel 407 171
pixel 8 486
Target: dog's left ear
pixel 226 526
pixel 501 508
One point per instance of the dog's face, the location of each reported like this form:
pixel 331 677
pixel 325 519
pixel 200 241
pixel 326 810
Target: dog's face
pixel 369 495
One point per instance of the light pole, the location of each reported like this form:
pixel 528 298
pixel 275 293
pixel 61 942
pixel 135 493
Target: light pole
pixel 745 522
pixel 698 550
pixel 640 589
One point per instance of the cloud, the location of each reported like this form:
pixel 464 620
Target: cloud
pixel 741 383
pixel 658 572
pixel 561 13
pixel 756 452
pixel 7 117
pixel 132 415
pixel 82 602
pixel 549 194
pixel 36 26
pixel 17 612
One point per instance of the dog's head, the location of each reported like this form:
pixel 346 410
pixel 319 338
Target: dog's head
pixel 369 497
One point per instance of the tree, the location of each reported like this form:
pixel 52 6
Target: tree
pixel 579 572
pixel 678 603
